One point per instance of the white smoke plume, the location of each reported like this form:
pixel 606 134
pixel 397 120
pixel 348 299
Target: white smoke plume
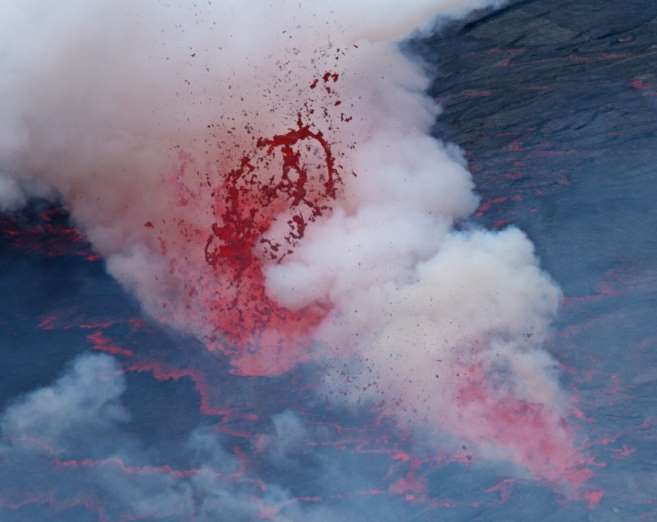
pixel 135 113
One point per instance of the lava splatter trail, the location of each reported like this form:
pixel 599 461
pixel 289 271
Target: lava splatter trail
pixel 247 205
pixel 261 210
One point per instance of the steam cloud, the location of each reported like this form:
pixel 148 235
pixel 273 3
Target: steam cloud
pixel 135 113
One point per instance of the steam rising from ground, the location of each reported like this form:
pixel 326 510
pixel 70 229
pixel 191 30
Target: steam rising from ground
pixel 132 112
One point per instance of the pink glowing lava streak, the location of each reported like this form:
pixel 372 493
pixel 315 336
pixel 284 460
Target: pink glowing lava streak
pixel 532 435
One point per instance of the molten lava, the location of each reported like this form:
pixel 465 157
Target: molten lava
pixel 251 198
pixel 281 183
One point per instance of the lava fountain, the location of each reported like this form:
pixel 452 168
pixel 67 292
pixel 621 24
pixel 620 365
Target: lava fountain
pixel 266 179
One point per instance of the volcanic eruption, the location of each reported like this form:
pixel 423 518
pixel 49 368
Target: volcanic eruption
pixel 264 177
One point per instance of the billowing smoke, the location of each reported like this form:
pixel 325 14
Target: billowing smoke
pixel 262 175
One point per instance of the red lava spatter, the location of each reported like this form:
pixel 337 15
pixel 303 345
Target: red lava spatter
pixel 247 205
pixel 286 182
